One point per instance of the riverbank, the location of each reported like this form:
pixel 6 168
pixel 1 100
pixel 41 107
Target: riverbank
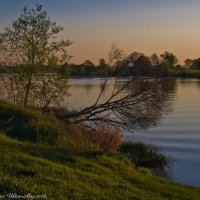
pixel 175 75
pixel 188 74
pixel 58 174
pixel 179 73
pixel 60 170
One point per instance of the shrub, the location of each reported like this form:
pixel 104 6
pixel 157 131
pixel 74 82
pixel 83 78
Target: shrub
pixel 80 137
pixel 103 138
pixel 106 138
pixel 143 155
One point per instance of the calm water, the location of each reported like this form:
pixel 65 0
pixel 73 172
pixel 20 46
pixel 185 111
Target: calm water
pixel 178 134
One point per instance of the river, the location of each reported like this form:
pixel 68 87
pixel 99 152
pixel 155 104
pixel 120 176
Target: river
pixel 178 134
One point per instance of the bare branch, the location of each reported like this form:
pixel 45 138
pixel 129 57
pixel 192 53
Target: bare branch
pixel 140 104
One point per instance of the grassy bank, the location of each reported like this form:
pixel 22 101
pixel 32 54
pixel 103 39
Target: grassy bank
pixel 62 172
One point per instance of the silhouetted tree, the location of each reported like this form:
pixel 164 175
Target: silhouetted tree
pixel 154 59
pixel 135 64
pixel 196 64
pixel 193 64
pixel 87 67
pixel 133 57
pixel 188 62
pixel 142 66
pixel 169 58
pixel 102 63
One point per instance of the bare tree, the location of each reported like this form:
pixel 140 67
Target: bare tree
pixel 115 55
pixel 139 103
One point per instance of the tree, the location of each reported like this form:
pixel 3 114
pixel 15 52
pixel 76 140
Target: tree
pixel 196 64
pixel 102 65
pixel 154 59
pixel 87 67
pixel 88 63
pixel 188 62
pixel 193 64
pixel 135 64
pixel 133 57
pixel 169 58
pixel 142 66
pixel 30 44
pixel 137 103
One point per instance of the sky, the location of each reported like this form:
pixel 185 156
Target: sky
pixel 148 26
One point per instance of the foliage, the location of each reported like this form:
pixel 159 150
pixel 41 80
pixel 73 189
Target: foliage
pixel 145 155
pixel 103 139
pixel 193 64
pixel 142 66
pixel 51 90
pixel 155 61
pixel 30 44
pixel 102 63
pixel 85 69
pixel 169 58
pixel 138 64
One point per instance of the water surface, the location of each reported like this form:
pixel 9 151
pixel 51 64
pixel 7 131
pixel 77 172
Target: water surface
pixel 178 134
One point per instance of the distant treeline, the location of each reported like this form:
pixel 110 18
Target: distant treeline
pixel 134 64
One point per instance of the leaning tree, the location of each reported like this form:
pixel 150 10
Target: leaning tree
pixel 135 103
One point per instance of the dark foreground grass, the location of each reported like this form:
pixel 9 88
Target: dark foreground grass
pixel 60 174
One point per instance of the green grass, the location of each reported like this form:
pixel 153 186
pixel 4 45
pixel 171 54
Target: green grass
pixel 62 172
pixel 31 125
pixel 30 168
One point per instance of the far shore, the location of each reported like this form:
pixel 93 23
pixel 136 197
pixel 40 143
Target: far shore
pixel 197 75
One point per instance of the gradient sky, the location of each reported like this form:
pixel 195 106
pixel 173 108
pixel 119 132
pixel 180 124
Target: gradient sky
pixel 146 26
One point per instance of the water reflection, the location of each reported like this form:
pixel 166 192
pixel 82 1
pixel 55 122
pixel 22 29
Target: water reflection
pixel 130 104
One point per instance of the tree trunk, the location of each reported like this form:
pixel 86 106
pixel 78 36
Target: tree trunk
pixel 27 91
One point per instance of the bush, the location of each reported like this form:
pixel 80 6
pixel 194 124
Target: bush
pixel 81 139
pixel 143 155
pixel 104 138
